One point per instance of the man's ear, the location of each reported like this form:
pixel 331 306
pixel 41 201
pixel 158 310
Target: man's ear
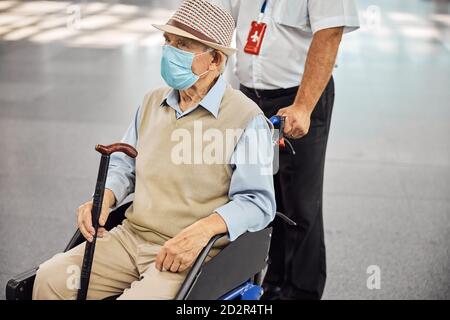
pixel 218 59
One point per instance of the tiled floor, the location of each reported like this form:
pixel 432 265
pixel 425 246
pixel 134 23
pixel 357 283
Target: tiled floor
pixel 67 85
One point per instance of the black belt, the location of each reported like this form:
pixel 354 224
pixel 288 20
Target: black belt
pixel 270 93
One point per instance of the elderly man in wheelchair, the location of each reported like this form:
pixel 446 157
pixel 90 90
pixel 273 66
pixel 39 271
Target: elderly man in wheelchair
pixel 187 193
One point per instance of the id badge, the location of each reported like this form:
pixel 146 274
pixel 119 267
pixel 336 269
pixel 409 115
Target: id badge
pixel 255 37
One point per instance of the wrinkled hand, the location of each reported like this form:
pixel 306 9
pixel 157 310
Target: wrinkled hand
pixel 298 121
pixel 84 216
pixel 180 252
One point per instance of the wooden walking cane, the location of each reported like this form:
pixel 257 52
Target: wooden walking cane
pixel 105 151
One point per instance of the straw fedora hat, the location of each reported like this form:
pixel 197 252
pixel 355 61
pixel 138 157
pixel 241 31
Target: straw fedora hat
pixel 202 21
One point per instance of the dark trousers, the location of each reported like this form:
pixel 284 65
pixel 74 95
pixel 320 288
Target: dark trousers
pixel 297 254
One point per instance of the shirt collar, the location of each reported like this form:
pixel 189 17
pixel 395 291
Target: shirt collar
pixel 210 102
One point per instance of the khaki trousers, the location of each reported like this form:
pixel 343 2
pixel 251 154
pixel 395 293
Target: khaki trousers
pixel 124 264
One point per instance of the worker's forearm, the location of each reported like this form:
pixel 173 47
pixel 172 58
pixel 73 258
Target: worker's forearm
pixel 318 67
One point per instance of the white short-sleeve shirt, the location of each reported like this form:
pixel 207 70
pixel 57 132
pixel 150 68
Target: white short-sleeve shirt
pixel 291 25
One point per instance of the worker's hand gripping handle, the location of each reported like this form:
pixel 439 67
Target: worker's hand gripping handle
pixel 278 124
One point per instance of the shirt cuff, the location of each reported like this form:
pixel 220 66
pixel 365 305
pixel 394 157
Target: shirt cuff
pixel 232 215
pixel 349 23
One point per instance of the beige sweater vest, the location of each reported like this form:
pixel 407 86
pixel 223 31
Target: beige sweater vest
pixel 170 195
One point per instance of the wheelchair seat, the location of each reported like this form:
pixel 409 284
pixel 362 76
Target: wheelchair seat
pixel 236 272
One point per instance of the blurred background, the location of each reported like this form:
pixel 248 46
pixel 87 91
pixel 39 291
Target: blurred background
pixel 72 74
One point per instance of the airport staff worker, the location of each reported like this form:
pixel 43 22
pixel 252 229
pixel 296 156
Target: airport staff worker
pixel 286 53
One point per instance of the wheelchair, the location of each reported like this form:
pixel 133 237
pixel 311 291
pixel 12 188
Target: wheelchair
pixel 235 273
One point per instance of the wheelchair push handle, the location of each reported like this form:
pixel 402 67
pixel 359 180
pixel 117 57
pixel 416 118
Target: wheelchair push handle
pixel 278 123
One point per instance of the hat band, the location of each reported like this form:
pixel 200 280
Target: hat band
pixel 188 29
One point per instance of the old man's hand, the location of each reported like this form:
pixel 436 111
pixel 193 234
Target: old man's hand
pixel 180 252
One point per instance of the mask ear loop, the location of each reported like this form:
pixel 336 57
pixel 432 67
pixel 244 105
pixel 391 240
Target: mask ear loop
pixel 199 54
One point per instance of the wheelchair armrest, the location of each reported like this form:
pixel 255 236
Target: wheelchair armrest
pixel 117 216
pixel 238 262
pixel 194 273
pixel 20 287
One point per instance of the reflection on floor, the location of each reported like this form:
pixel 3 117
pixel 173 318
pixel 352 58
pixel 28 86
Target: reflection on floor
pixel 73 73
pixel 86 24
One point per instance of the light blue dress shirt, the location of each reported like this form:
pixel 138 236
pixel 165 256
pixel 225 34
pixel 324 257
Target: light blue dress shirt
pixel 252 198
